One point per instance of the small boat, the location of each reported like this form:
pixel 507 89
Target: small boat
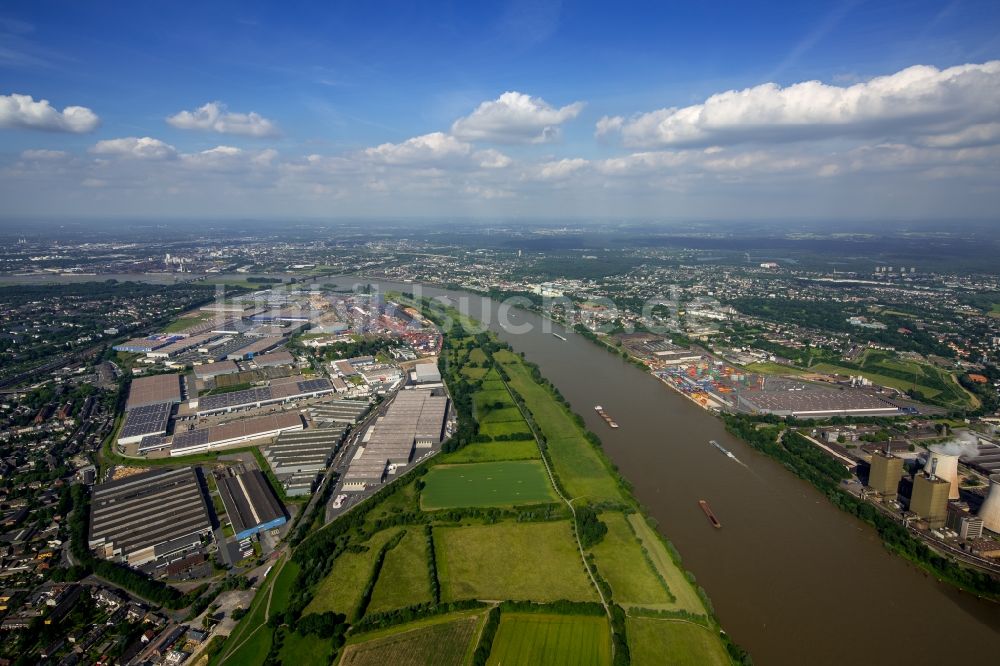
pixel 708 512
pixel 604 415
pixel 560 337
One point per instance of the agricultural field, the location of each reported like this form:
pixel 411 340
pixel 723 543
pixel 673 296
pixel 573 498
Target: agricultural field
pixel 342 588
pixel 686 598
pixel 769 368
pixel 443 641
pixel 655 641
pixel 504 483
pixel 537 638
pixel 523 561
pixel 578 465
pixel 621 561
pixel 404 579
pixel 490 451
pixel 302 650
pixel 495 430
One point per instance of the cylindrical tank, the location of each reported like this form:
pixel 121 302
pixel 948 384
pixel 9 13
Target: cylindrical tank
pixel 947 468
pixel 990 510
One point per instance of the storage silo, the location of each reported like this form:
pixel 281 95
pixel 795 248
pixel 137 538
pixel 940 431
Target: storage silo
pixel 990 510
pixel 947 468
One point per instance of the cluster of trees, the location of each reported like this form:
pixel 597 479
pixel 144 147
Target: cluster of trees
pixel 589 527
pixel 482 653
pixel 432 572
pixel 362 347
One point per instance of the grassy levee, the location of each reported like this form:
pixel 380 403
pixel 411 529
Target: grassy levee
pixel 579 467
pixel 403 580
pixel 505 483
pixel 537 638
pixel 529 561
pixel 622 562
pixel 685 596
pixel 686 643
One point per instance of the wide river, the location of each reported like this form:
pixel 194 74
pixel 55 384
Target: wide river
pixel 792 578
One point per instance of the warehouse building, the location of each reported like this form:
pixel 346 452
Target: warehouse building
pixel 154 390
pixel 250 504
pixel 255 346
pixel 200 440
pixel 297 458
pixel 141 422
pixel 817 403
pixel 338 411
pixel 145 345
pixel 154 516
pixel 287 388
pixel 304 450
pixel 426 373
pixel 415 419
pixel 274 359
pixel 212 370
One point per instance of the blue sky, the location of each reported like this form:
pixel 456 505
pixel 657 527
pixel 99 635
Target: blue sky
pixel 530 109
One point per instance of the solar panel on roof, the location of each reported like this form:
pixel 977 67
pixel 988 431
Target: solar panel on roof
pixel 146 420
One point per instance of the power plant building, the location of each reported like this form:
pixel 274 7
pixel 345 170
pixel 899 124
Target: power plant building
pixel 159 515
pixel 946 468
pixel 930 499
pixel 990 509
pixel 885 473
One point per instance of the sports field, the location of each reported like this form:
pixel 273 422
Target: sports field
pixel 404 579
pixel 523 561
pixel 654 641
pixel 622 563
pixel 443 642
pixel 556 640
pixel 486 484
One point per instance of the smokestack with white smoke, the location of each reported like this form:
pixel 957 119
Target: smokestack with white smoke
pixel 964 445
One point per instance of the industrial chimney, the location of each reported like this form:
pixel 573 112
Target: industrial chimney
pixel 945 466
pixel 990 510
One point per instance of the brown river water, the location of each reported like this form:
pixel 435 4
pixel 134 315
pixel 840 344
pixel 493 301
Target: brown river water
pixel 792 578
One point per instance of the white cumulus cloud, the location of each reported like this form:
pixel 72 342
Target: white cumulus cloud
pixel 560 169
pixel 515 118
pixel 23 112
pixel 142 148
pixel 214 117
pixel 916 101
pixel 420 149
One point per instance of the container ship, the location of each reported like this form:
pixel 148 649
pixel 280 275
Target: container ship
pixel 604 415
pixel 708 512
